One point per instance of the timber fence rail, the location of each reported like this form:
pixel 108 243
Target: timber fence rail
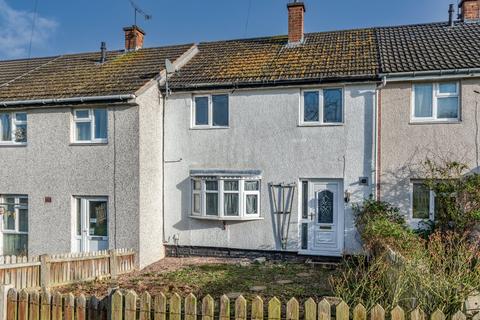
pixel 25 305
pixel 56 270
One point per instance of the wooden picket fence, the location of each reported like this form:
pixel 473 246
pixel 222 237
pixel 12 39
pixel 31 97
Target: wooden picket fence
pixel 34 306
pixel 61 269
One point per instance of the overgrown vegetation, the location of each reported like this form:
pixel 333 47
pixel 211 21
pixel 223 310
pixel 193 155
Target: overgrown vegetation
pixel 281 279
pixel 436 268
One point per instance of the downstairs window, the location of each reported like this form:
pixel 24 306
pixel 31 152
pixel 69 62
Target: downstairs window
pixel 14 210
pixel 219 198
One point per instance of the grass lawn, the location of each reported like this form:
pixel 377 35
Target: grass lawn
pixel 202 276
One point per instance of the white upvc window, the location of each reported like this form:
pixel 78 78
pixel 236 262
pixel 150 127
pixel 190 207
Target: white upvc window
pixel 210 111
pixel 14 212
pixel 90 125
pixel 321 107
pixel 13 128
pixel 425 204
pixel 225 198
pixel 436 102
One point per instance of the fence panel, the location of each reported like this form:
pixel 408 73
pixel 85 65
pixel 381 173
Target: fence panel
pixel 62 269
pixel 30 305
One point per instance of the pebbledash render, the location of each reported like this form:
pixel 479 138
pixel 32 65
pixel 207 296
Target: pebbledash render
pixel 251 146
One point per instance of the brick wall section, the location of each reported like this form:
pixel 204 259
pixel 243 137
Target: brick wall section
pixel 470 9
pixel 296 12
pixel 133 38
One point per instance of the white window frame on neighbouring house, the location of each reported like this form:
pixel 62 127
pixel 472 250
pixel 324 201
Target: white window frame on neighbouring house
pixel 221 192
pixel 210 112
pixel 321 108
pixel 20 202
pixel 91 120
pixel 17 121
pixel 437 96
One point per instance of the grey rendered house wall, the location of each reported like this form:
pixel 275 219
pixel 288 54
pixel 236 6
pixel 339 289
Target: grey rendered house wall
pixel 50 166
pixel 404 146
pixel 264 134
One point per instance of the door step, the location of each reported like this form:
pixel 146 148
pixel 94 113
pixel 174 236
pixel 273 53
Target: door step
pixel 328 265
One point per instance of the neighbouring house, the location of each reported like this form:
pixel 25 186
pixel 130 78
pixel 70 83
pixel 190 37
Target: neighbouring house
pixel 428 107
pixel 258 144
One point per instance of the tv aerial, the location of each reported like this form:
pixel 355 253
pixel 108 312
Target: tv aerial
pixel 139 10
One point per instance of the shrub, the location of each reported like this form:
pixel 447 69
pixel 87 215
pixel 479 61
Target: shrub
pixel 381 225
pixel 442 276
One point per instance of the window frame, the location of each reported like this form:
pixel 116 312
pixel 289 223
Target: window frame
pixel 210 125
pixel 91 120
pixel 242 194
pixel 431 203
pixel 14 123
pixel 15 232
pixel 321 111
pixel 436 95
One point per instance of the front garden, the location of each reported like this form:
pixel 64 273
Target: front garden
pixel 214 276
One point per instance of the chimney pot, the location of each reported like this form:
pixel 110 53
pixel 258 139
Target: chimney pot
pixel 134 36
pixel 451 11
pixel 469 10
pixel 296 14
pixel 103 52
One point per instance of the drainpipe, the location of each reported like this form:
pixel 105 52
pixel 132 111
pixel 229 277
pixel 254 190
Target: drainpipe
pixel 377 136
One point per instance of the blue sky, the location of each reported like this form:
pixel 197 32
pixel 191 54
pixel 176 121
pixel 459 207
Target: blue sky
pixel 66 26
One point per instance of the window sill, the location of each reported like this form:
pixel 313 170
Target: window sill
pixel 226 218
pixel 12 144
pixel 340 124
pixel 208 128
pixel 420 122
pixel 103 143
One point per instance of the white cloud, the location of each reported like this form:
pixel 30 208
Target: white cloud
pixel 16 29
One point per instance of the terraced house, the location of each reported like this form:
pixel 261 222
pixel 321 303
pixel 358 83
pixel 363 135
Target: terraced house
pixel 252 145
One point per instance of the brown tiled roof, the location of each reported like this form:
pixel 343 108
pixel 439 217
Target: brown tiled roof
pixel 323 56
pixel 427 47
pixel 80 75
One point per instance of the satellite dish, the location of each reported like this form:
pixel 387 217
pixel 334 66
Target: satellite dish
pixel 169 66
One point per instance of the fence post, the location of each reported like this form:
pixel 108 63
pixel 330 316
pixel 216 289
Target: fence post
pixel 112 259
pixel 3 300
pixel 45 270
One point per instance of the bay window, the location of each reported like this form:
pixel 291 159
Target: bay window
pixel 90 125
pixel 13 128
pixel 436 102
pixel 14 211
pixel 225 198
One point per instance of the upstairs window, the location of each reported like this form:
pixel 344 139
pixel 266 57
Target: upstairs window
pixel 322 107
pixel 211 111
pixel 436 102
pixel 227 198
pixel 13 128
pixel 90 125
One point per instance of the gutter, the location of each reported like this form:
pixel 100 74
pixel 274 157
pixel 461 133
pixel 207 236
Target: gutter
pixel 443 73
pixel 119 97
pixel 272 83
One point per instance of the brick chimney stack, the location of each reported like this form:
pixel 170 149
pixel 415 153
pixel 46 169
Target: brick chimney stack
pixel 133 38
pixel 296 13
pixel 469 10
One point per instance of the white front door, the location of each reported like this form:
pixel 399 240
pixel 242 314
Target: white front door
pixel 91 232
pixel 325 218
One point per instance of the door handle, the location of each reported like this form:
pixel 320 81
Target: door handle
pixel 312 215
